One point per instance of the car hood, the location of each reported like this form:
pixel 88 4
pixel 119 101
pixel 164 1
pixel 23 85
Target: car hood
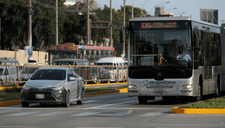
pixel 44 83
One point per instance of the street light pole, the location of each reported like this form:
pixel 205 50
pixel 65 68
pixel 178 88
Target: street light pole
pixel 30 27
pixel 88 22
pixel 110 24
pixel 56 31
pixel 142 8
pixel 124 13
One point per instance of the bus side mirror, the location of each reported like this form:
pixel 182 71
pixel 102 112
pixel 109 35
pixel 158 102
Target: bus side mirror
pixel 122 34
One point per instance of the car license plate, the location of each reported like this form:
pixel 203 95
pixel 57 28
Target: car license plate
pixel 159 89
pixel 40 96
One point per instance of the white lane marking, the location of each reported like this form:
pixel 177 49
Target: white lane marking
pixel 109 105
pixel 73 108
pixel 7 111
pixel 87 114
pixel 89 101
pixel 53 114
pixel 19 126
pixel 151 114
pixel 119 114
pixel 22 114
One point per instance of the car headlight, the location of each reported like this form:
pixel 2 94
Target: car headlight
pixel 25 87
pixel 131 86
pixel 188 86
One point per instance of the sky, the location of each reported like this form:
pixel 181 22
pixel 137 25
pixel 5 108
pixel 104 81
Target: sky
pixel 190 7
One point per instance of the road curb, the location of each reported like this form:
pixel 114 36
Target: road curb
pixel 15 102
pixel 176 110
pixel 9 103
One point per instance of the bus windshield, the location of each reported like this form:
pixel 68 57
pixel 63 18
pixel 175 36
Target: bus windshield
pixel 54 55
pixel 161 44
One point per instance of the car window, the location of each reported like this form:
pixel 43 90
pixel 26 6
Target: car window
pixel 28 70
pixel 70 74
pixel 49 74
pixel 75 74
pixel 11 71
pixel 1 71
pixel 6 72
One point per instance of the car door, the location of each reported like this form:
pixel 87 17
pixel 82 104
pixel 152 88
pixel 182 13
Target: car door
pixel 5 76
pixel 11 75
pixel 78 83
pixel 72 85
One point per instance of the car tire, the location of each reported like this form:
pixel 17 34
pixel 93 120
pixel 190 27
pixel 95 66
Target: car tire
pixel 81 101
pixel 142 100
pixel 67 100
pixel 25 104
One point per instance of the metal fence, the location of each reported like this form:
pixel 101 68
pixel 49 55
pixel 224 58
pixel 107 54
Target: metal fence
pixel 17 75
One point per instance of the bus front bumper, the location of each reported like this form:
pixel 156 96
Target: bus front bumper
pixel 160 93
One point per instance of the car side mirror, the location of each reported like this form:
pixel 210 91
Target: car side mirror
pixel 72 78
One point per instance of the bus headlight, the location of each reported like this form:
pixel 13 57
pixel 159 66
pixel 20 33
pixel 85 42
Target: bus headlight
pixel 131 86
pixel 188 86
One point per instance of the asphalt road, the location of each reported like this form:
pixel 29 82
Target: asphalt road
pixel 108 111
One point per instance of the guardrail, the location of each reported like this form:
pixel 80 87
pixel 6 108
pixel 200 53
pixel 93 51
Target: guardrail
pixel 16 75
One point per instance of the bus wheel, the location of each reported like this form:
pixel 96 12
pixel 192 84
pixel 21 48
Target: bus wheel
pixel 217 94
pixel 197 98
pixel 142 100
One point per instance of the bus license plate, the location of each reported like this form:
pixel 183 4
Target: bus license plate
pixel 159 89
pixel 40 96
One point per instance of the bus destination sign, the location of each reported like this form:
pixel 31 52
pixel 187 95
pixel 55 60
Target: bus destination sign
pixel 149 25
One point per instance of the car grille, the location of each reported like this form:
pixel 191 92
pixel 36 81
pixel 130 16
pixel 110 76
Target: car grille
pixel 48 96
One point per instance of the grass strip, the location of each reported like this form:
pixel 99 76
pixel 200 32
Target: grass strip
pixel 209 103
pixel 15 94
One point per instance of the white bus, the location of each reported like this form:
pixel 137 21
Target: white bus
pixel 174 56
pixel 118 72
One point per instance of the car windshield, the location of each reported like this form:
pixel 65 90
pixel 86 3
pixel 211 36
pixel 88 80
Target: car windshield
pixel 64 63
pixel 49 74
pixel 28 70
pixel 1 71
pixel 102 63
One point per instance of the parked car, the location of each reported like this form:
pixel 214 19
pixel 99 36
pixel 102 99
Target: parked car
pixel 26 72
pixel 8 61
pixel 53 85
pixel 119 72
pixel 8 74
pixel 102 74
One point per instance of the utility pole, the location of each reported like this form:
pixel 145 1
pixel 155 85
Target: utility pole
pixel 132 11
pixel 124 24
pixel 110 23
pixel 88 22
pixel 56 23
pixel 0 33
pixel 30 26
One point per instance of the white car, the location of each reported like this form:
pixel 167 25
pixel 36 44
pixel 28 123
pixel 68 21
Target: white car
pixel 53 85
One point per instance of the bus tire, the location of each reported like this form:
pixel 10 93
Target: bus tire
pixel 197 98
pixel 142 100
pixel 217 93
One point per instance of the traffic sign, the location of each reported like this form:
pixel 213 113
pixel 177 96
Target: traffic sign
pixel 99 24
pixel 28 51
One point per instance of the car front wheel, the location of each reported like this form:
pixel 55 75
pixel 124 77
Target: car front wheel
pixel 25 104
pixel 81 98
pixel 67 100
